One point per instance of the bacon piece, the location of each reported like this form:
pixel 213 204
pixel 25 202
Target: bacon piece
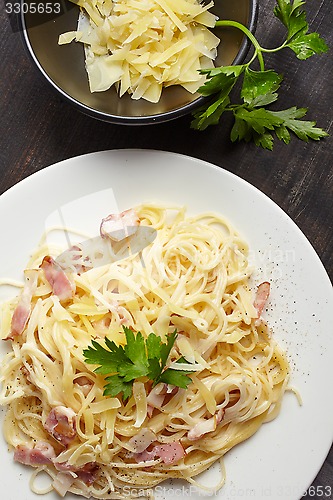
pixel 155 398
pixel 202 428
pixel 85 384
pixel 159 395
pixel 170 453
pixel 119 226
pixel 261 297
pixel 219 415
pixel 205 426
pixel 22 311
pixel 145 456
pixel 58 279
pixel 150 410
pixel 20 318
pixel 41 454
pixel 87 472
pixel 61 424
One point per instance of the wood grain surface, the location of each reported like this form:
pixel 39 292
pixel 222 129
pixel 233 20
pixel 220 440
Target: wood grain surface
pixel 37 129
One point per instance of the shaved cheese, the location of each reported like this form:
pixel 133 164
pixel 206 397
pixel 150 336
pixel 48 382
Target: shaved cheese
pixel 206 18
pixel 201 428
pixel 68 37
pixel 59 312
pixel 103 72
pixel 140 441
pixel 181 26
pixel 143 46
pixel 105 405
pixel 186 367
pixel 206 394
pixel 185 349
pixel 158 59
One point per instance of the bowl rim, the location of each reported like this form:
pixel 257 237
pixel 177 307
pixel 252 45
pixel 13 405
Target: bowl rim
pixel 146 119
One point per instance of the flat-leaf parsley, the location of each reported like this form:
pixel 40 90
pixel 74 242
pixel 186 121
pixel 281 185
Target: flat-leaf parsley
pixel 138 358
pixel 253 122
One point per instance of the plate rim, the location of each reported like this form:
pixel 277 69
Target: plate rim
pixel 64 163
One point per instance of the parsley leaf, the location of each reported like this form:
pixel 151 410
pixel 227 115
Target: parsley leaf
pixel 116 385
pixel 138 358
pixel 253 122
pixel 306 46
pixel 259 119
pixel 204 117
pixel 259 124
pixel 154 344
pixel 154 370
pixel 107 359
pixel 291 15
pixel 175 377
pixel 258 84
pixel 304 130
pixel 220 80
pixel 166 348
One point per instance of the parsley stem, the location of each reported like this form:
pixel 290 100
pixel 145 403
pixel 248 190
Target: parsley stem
pixel 251 37
pixel 274 50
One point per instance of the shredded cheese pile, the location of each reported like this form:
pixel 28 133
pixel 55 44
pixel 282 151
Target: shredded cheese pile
pixel 143 46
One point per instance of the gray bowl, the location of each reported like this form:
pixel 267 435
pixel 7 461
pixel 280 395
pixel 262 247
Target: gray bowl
pixel 64 69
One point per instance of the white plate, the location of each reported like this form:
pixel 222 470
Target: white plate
pixel 281 460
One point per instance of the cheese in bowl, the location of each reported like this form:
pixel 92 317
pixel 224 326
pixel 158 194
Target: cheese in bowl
pixel 142 46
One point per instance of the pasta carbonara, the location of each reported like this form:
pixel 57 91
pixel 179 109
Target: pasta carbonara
pixel 193 277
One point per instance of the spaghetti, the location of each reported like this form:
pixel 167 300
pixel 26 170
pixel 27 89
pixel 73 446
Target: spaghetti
pixel 193 277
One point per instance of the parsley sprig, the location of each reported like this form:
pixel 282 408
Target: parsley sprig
pixel 252 120
pixel 138 358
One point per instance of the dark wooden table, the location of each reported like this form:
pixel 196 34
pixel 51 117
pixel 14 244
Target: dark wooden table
pixel 38 129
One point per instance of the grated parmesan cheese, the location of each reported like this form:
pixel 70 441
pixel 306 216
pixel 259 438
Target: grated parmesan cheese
pixel 141 46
